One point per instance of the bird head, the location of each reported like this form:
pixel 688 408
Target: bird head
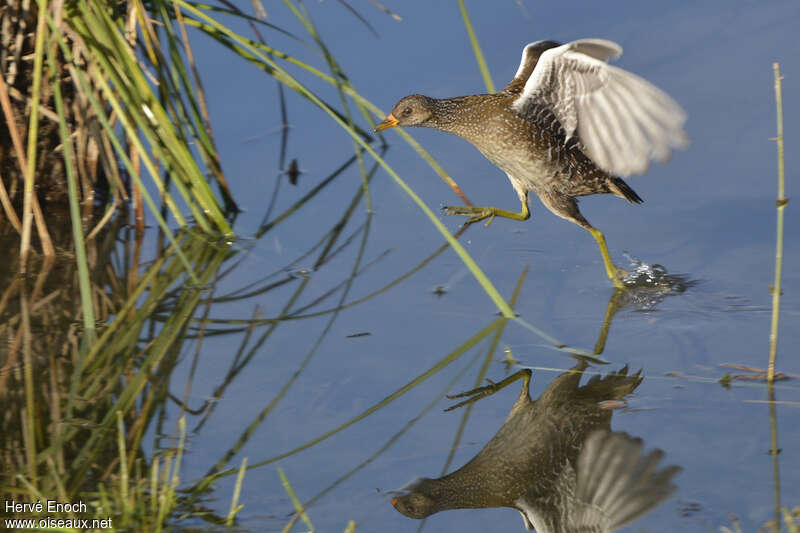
pixel 414 110
pixel 415 505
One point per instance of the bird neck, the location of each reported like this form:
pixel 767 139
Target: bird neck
pixel 462 489
pixel 454 115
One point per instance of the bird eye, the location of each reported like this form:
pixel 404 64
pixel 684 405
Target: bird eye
pixel 406 111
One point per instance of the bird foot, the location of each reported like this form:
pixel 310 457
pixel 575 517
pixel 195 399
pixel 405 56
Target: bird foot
pixel 477 393
pixel 618 277
pixel 473 395
pixel 475 213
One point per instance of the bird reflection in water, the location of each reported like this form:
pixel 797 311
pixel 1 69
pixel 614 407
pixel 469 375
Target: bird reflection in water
pixel 555 460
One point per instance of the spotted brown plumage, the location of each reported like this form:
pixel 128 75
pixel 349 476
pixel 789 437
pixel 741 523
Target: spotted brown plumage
pixel 555 460
pixel 567 125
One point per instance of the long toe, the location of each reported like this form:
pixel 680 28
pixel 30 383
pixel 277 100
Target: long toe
pixel 473 395
pixel 474 213
pixel 621 275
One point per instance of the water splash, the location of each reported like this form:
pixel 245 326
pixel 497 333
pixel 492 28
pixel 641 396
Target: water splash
pixel 648 284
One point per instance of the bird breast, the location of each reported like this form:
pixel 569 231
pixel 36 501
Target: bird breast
pixel 532 159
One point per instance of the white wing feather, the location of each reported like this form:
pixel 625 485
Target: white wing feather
pixel 622 120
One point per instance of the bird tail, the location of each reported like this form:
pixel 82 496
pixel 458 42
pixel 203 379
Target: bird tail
pixel 614 386
pixel 617 480
pixel 623 190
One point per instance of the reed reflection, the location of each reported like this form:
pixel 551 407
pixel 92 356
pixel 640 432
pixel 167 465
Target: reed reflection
pixel 555 460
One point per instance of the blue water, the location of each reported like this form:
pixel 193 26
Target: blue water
pixel 709 215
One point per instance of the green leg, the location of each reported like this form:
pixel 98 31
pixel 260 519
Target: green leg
pixel 487 390
pixel 479 213
pixel 614 304
pixel 615 274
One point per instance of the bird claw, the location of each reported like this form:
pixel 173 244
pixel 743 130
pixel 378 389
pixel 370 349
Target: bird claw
pixel 475 214
pixel 619 278
pixel 473 395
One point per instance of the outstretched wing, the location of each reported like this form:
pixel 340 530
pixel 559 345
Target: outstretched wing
pixel 617 483
pixel 530 55
pixel 621 120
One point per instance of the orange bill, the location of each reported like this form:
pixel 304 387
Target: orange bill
pixel 388 122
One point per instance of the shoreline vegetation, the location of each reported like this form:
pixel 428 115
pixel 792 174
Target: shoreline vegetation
pixel 105 131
